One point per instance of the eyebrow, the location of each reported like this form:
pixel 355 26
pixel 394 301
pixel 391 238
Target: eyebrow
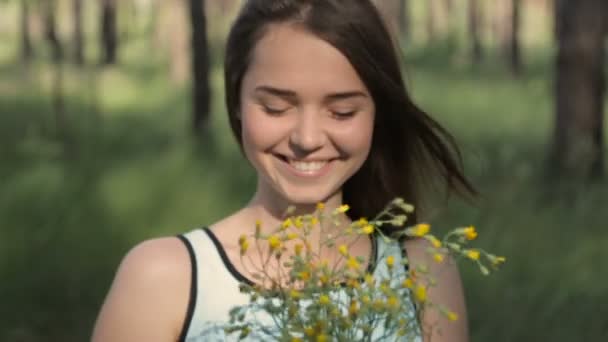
pixel 291 95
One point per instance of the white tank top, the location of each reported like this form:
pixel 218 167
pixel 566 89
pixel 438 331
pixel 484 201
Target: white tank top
pixel 215 283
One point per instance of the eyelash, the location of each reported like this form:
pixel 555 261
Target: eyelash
pixel 272 111
pixel 335 114
pixel 343 115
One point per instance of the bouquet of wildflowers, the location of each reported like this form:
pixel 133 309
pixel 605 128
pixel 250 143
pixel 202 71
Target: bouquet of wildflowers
pixel 300 296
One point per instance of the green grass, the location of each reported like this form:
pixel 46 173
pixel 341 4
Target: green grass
pixel 132 171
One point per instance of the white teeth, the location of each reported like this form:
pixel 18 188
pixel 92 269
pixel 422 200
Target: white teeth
pixel 307 166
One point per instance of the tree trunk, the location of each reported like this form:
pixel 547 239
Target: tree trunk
pixel 50 30
pixel 578 142
pixel 27 51
pixel 389 9
pixel 177 37
pixel 78 34
pixel 200 67
pixel 474 28
pixel 431 20
pixel 558 8
pixel 109 33
pixel 509 27
pixel 404 20
pixel 515 62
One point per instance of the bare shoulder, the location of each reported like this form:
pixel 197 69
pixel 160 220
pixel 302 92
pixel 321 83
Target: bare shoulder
pixel 149 296
pixel 448 292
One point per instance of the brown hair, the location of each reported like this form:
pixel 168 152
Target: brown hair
pixel 410 151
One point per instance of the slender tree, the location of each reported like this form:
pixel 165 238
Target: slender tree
pixel 580 88
pixel 558 9
pixel 109 32
pixel 404 19
pixel 508 31
pixel 474 31
pixel 177 37
pixel 514 45
pixel 27 51
pixel 431 20
pixel 78 33
pixel 200 67
pixel 50 30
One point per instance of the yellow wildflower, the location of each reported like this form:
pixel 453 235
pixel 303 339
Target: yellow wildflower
pixel 286 224
pixel 320 206
pixel 353 309
pixel 368 229
pixel 434 241
pixel 390 261
pixel 438 257
pixel 420 293
pixel 304 275
pixel 353 263
pixel 244 247
pixel 291 236
pixel 324 299
pixel 343 208
pixel 322 338
pixel 470 233
pixel 258 228
pixel 407 283
pixel 422 229
pixel 244 244
pixel 295 294
pixel 298 222
pixel 362 222
pixel 392 302
pixel 296 339
pixel 452 316
pixel 472 254
pixel 274 242
pixel 369 280
pixel 314 221
pixel 353 283
pixel 309 331
pixel 298 249
pixel 499 260
pixel 365 299
pixel 385 287
pixel 343 250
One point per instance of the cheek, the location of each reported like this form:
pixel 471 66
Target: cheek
pixel 258 133
pixel 356 140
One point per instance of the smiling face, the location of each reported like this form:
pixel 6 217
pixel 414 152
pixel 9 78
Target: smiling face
pixel 306 117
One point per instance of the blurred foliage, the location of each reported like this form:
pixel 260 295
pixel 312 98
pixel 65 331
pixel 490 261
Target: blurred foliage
pixel 128 170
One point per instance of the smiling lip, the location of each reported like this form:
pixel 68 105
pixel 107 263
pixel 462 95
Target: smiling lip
pixel 306 168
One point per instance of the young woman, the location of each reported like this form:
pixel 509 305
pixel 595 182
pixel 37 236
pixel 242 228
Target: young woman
pixel 318 104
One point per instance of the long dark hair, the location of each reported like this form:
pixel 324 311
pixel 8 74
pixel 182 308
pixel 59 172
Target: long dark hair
pixel 411 152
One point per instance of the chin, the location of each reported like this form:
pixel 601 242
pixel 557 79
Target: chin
pixel 308 196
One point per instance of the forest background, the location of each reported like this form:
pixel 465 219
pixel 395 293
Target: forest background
pixel 113 130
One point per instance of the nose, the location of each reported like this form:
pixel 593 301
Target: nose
pixel 308 134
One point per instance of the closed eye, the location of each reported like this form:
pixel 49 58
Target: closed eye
pixel 274 110
pixel 343 115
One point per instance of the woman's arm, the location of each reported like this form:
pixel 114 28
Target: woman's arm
pixel 448 292
pixel 149 296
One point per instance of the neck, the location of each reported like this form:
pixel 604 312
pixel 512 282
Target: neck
pixel 271 208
